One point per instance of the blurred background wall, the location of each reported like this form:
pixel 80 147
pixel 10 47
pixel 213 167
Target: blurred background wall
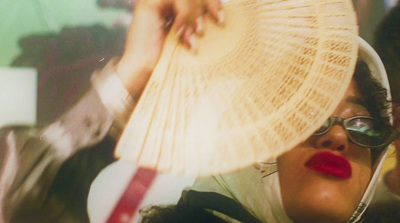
pixel 24 17
pixel 63 42
pixel 370 13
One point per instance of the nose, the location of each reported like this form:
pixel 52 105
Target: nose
pixel 334 139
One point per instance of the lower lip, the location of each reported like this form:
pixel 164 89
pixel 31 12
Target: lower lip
pixel 330 164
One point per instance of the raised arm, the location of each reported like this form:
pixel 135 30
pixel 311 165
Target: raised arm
pixel 152 21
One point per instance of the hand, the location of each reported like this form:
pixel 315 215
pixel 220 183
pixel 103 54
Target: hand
pixel 152 21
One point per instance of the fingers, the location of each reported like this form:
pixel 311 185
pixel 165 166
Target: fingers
pixel 214 8
pixel 189 20
pixel 199 25
pixel 189 38
pixel 152 21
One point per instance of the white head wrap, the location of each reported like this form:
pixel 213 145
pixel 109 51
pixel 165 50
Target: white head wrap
pixel 258 189
pixel 371 58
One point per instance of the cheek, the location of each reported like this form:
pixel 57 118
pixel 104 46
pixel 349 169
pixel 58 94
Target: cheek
pixel 291 167
pixel 292 175
pixel 362 169
pixel 361 161
pixel 362 177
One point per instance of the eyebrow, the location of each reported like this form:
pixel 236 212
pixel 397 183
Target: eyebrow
pixel 356 100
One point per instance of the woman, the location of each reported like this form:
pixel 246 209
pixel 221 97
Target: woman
pixel 82 128
pixel 328 178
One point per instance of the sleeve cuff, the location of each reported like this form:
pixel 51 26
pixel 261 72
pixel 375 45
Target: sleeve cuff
pixel 114 96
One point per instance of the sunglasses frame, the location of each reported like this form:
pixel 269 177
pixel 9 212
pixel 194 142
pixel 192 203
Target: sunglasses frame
pixel 343 122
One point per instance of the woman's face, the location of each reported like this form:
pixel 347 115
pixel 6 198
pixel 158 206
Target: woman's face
pixel 323 179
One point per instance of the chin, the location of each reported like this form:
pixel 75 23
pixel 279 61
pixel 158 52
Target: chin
pixel 329 218
pixel 324 210
pixel 322 204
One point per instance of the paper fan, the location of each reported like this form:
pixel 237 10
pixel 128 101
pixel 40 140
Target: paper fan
pixel 256 88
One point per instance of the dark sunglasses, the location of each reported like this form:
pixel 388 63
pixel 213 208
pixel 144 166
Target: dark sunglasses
pixel 363 131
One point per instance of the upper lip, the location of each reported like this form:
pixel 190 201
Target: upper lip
pixel 331 164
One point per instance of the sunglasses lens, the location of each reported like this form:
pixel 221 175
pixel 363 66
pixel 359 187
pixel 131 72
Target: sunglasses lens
pixel 367 132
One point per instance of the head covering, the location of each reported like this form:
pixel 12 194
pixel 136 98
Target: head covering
pixel 258 189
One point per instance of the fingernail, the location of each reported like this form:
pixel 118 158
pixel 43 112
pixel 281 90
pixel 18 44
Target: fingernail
pixel 221 17
pixel 180 31
pixel 199 25
pixel 193 43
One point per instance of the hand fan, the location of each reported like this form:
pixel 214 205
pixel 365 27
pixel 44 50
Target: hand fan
pixel 256 88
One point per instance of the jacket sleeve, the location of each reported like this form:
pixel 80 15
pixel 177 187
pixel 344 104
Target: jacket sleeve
pixel 32 159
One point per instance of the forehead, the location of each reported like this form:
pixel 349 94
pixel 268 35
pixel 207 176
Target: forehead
pixel 353 91
pixel 352 102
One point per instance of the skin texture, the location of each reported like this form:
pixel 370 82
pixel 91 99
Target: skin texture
pixel 310 196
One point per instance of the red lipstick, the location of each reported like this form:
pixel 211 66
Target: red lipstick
pixel 330 164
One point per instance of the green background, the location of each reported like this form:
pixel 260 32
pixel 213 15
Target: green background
pixel 20 18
